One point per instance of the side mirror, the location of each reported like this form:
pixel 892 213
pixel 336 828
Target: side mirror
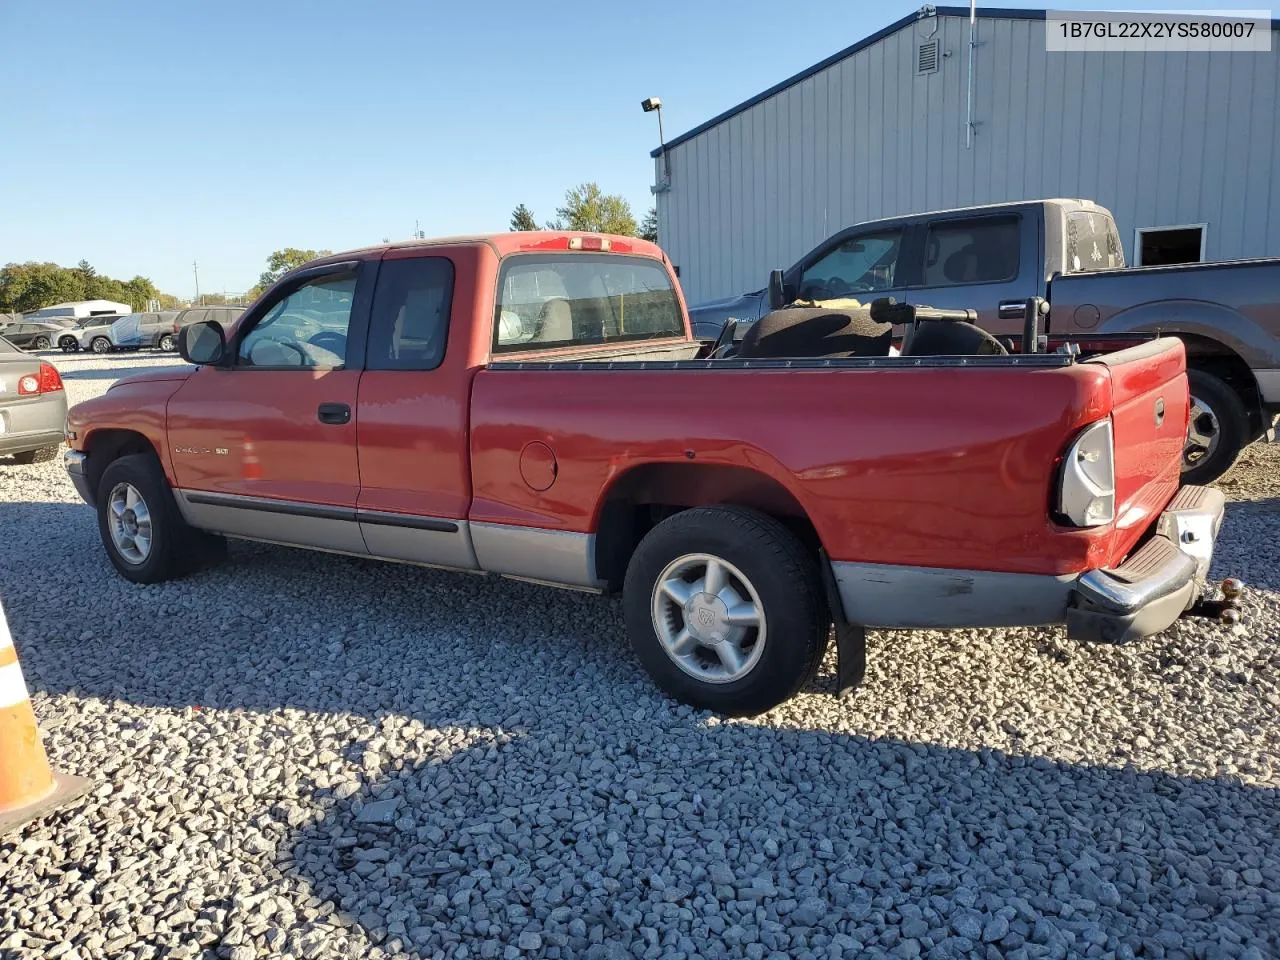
pixel 777 290
pixel 203 344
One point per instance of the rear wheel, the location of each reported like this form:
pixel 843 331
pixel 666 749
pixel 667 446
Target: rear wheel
pixel 724 608
pixel 167 342
pixel 43 455
pixel 100 345
pixel 1217 429
pixel 145 536
pixel 42 343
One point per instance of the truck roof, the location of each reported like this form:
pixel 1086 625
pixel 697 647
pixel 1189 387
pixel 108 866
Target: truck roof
pixel 504 244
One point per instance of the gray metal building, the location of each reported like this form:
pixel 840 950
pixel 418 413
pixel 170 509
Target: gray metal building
pixel 1163 139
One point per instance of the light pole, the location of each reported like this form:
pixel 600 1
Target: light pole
pixel 654 105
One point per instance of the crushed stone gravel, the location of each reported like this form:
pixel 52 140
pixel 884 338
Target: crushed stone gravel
pixel 308 755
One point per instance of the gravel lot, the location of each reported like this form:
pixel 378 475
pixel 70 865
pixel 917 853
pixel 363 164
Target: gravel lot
pixel 318 756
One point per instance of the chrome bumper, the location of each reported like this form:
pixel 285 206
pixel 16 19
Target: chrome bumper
pixel 75 464
pixel 1159 582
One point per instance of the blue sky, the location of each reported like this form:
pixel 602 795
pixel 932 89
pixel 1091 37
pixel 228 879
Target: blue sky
pixel 143 136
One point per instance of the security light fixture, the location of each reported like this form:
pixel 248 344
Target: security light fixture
pixel 652 105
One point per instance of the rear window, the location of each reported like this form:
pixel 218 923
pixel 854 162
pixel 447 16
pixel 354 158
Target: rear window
pixel 545 302
pixel 981 250
pixel 1093 243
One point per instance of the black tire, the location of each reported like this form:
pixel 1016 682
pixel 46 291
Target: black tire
pixel 42 343
pixel 69 345
pixel 783 574
pixel 100 345
pixel 167 343
pixel 176 549
pixel 43 455
pixel 1232 421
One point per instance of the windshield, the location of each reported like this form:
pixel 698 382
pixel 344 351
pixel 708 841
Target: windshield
pixel 578 299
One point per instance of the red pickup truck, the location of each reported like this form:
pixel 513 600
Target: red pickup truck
pixel 534 405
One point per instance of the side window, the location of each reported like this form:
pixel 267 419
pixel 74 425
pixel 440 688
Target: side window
pixel 305 329
pixel 194 316
pixel 410 319
pixel 983 250
pixel 864 264
pixel 577 299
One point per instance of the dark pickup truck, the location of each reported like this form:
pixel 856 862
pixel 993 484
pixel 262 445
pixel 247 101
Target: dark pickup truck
pixel 993 258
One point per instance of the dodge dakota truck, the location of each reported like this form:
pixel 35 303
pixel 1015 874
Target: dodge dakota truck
pixel 992 258
pixel 534 405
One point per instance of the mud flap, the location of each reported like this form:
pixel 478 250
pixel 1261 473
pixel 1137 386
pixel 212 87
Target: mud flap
pixel 851 638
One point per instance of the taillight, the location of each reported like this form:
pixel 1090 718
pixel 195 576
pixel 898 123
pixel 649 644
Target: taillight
pixel 46 381
pixel 589 243
pixel 1087 495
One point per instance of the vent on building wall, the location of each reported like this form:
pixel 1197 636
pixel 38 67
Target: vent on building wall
pixel 927 57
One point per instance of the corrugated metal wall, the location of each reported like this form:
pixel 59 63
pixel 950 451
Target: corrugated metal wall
pixel 1159 138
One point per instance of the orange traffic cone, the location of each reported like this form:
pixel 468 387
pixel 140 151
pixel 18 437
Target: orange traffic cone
pixel 28 788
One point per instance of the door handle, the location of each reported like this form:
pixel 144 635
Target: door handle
pixel 1012 309
pixel 335 413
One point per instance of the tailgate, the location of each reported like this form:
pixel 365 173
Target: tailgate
pixel 1149 404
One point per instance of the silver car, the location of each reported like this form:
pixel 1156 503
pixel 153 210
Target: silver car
pixel 33 406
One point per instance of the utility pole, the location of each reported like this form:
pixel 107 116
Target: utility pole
pixel 196 267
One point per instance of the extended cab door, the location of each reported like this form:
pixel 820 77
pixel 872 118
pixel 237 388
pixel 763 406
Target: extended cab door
pixel 991 263
pixel 265 446
pixel 413 408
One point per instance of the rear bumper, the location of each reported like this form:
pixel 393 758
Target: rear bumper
pixel 25 442
pixel 1144 595
pixel 1156 585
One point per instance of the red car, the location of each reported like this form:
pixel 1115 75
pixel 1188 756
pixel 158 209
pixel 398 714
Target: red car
pixel 533 405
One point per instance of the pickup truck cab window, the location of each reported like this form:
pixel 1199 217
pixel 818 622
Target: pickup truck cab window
pixel 1093 243
pixel 305 329
pixel 410 316
pixel 978 250
pixel 562 301
pixel 864 264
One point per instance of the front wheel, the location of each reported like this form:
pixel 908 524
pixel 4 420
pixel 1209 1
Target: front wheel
pixel 69 345
pixel 146 539
pixel 100 345
pixel 724 609
pixel 42 343
pixel 167 342
pixel 1217 429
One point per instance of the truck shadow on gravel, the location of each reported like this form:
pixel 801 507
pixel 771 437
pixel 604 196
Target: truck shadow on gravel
pixel 488 767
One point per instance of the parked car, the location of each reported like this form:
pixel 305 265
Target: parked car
pixel 151 330
pixel 91 333
pixel 520 404
pixel 39 335
pixel 993 258
pixel 33 406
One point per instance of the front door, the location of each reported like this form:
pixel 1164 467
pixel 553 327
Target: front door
pixel 264 446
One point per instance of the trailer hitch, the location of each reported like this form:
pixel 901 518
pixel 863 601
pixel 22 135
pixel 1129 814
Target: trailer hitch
pixel 1226 610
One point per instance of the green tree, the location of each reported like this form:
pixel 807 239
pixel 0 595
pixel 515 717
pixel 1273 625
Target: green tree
pixel 29 286
pixel 282 261
pixel 649 226
pixel 522 219
pixel 587 208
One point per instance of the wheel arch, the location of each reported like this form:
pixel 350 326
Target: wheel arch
pixel 108 444
pixel 644 495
